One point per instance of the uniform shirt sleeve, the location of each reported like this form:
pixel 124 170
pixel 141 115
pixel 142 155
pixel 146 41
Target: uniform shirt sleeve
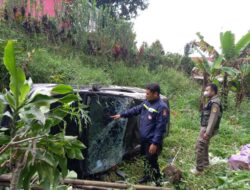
pixel 213 118
pixel 132 112
pixel 162 120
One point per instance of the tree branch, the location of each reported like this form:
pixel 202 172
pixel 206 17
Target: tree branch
pixel 28 139
pixel 4 148
pixel 13 142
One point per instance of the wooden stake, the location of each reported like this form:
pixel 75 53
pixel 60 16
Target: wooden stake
pixel 89 184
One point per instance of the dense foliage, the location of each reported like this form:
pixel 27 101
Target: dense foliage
pixel 27 147
pixel 124 8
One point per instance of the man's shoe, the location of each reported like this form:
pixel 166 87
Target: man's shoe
pixel 196 172
pixel 144 179
pixel 158 183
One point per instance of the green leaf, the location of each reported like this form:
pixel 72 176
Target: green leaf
pixel 3 99
pixel 230 70
pixel 24 91
pixel 242 43
pixel 63 165
pixel 55 148
pixel 45 173
pixel 227 40
pixel 62 89
pixel 29 114
pixel 222 180
pixel 10 99
pixel 233 88
pixel 68 98
pixel 245 70
pixel 4 139
pixel 204 65
pixel 70 138
pixel 27 174
pixel 42 100
pixel 72 175
pixel 217 63
pixel 18 84
pixel 46 157
pixel 216 81
pixel 78 154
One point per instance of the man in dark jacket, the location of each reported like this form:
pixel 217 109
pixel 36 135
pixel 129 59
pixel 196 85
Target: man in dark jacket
pixel 154 116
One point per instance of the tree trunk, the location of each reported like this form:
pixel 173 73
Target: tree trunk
pixel 225 92
pixel 19 165
pixel 16 175
pixel 240 95
pixel 204 85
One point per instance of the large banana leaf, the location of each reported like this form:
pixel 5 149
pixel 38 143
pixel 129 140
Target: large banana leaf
pixel 19 87
pixel 242 43
pixel 204 65
pixel 206 47
pixel 227 40
pixel 230 70
pixel 217 63
pixel 245 69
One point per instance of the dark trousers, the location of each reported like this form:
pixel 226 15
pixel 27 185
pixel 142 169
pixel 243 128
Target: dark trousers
pixel 202 146
pixel 151 166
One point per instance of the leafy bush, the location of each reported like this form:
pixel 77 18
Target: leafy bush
pixel 173 82
pixel 186 65
pixel 51 68
pixel 129 76
pixel 234 180
pixel 25 138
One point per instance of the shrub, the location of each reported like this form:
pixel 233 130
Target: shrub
pixel 50 68
pixel 173 82
pixel 129 76
pixel 32 152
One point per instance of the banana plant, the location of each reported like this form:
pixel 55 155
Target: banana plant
pixel 31 153
pixel 211 71
pixel 227 62
pixel 238 83
pixel 232 54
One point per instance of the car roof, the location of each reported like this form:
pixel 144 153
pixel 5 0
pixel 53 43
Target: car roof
pixel 134 92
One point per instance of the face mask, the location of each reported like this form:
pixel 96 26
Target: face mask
pixel 206 93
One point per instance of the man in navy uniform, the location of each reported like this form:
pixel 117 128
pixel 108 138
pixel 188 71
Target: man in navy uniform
pixel 154 116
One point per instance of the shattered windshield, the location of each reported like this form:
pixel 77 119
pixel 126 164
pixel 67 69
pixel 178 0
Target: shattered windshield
pixel 105 136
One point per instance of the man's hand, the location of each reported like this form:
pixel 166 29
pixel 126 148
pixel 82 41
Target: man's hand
pixel 118 116
pixel 205 136
pixel 152 149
